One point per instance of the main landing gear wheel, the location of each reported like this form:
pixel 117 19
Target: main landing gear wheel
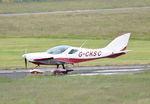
pixel 60 71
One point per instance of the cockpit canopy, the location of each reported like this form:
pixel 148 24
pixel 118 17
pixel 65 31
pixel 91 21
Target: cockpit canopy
pixel 58 49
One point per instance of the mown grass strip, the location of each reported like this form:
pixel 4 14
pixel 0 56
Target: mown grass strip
pixel 9 6
pixel 114 89
pixel 99 25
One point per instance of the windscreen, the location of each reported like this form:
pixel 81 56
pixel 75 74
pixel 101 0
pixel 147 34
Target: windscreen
pixel 58 49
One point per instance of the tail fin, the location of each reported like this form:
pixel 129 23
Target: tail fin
pixel 119 44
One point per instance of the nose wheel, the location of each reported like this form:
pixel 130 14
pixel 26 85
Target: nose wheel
pixel 36 71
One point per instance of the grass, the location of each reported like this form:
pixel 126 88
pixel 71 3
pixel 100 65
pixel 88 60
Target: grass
pixel 12 50
pixel 37 33
pixel 54 5
pixel 114 89
pixel 100 25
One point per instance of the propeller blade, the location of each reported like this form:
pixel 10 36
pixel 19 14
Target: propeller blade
pixel 25 60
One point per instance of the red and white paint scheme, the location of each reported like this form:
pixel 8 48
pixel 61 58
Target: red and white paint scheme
pixel 65 54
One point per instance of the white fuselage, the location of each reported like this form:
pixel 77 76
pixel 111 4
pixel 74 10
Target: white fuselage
pixel 82 54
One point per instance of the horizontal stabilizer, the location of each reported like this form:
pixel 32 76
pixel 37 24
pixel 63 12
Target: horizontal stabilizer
pixel 117 54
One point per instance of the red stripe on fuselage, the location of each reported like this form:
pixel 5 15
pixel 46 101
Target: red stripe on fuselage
pixel 115 55
pixel 75 60
pixel 124 48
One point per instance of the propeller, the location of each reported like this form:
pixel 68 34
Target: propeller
pixel 25 61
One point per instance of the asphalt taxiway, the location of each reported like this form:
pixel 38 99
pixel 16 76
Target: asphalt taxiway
pixel 81 71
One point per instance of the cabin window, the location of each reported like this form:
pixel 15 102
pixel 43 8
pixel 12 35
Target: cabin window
pixel 73 51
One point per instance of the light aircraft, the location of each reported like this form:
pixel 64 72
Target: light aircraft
pixel 64 54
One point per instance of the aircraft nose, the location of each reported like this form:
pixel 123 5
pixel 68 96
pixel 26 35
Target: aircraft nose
pixel 33 56
pixel 27 57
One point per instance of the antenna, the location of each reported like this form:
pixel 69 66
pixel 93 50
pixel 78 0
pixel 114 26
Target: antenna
pixel 83 43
